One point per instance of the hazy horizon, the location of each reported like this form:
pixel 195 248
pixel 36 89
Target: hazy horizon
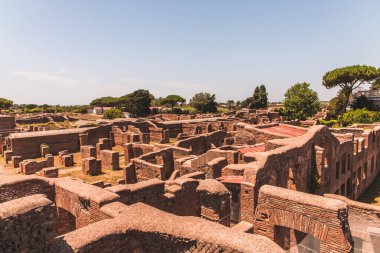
pixel 70 52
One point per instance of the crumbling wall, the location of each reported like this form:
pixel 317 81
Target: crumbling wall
pixel 157 231
pixel 324 218
pixel 79 204
pixel 13 187
pixel 27 224
pixel 28 145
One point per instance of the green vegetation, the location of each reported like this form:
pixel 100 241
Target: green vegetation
pixel 362 102
pixel 204 102
pixel 222 110
pixel 172 100
pixel 107 102
pixel 301 102
pixel 350 78
pixel 5 104
pixel 329 123
pixel 137 102
pixel 113 114
pixel 258 100
pixel 33 108
pixel 363 116
pixel 336 105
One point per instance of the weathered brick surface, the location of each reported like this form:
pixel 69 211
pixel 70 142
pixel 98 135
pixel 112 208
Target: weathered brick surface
pixel 87 151
pixel 91 166
pixel 109 159
pixel 324 218
pixel 27 224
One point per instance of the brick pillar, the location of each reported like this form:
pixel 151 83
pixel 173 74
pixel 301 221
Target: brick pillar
pixel 247 206
pixel 128 153
pixel 320 157
pixel 83 139
pixel 8 156
pixel 130 174
pixel 1 144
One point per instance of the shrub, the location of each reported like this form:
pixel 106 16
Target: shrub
pixel 328 123
pixel 222 110
pixel 113 114
pixel 177 110
pixel 360 116
pixel 188 110
pixel 166 110
pixel 154 111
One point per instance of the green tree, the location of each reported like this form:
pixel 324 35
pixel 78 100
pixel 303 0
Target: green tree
pixel 258 100
pixel 263 97
pixel 362 102
pixel 204 102
pixel 107 102
pixel 5 104
pixel 336 105
pixel 138 102
pixel 113 114
pixel 230 104
pixel 172 100
pixel 301 102
pixel 349 78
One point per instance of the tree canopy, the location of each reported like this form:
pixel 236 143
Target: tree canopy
pixel 113 114
pixel 172 100
pixel 137 102
pixel 204 102
pixel 336 105
pixel 258 100
pixel 5 103
pixel 301 102
pixel 107 102
pixel 349 78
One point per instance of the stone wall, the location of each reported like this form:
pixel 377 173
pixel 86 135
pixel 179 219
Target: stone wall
pixel 79 204
pixel 7 122
pixel 141 228
pixel 364 220
pixel 28 144
pixel 13 187
pixel 324 218
pixel 27 224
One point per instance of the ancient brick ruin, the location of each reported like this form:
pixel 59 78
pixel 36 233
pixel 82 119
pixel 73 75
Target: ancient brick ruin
pixel 246 182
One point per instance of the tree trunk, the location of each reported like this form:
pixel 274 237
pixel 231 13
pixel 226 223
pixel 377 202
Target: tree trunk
pixel 347 95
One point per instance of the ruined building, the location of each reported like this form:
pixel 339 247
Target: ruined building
pixel 242 183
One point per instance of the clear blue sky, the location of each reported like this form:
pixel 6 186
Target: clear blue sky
pixel 72 51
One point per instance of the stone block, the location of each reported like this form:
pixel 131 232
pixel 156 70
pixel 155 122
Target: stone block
pixel 87 151
pixel 49 160
pixel 16 161
pixel 51 172
pixel 68 160
pixel 110 159
pixel 91 166
pixel 28 167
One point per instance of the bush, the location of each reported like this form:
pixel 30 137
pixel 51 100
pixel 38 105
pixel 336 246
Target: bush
pixel 222 110
pixel 328 123
pixel 166 110
pixel 113 114
pixel 177 110
pixel 154 111
pixel 360 116
pixel 188 110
